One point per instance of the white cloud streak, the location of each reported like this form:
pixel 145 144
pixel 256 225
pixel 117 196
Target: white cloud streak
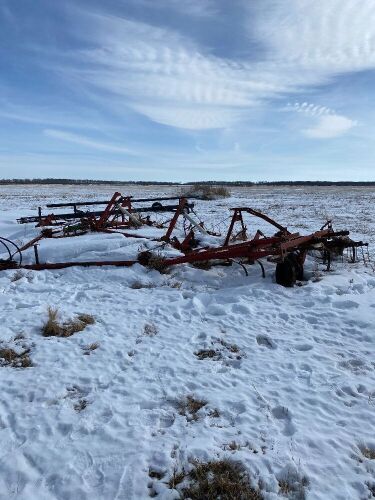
pixel 165 76
pixel 84 141
pixel 328 124
pixel 198 8
pixel 169 79
pixel 325 37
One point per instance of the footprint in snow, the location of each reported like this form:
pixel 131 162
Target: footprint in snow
pixel 282 413
pixel 357 366
pixel 303 347
pixel 266 341
pixel 241 309
pixel 345 304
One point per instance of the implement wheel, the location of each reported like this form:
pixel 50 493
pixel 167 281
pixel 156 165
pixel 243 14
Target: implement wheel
pixel 289 271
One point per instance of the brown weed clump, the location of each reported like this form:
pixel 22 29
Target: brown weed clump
pixel 224 479
pixel 54 328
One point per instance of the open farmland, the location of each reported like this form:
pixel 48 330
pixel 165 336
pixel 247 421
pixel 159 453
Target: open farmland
pixel 192 364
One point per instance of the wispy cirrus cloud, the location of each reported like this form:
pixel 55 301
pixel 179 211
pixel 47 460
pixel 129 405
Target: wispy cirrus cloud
pixel 201 8
pixel 167 75
pixel 85 141
pixel 171 80
pixel 321 37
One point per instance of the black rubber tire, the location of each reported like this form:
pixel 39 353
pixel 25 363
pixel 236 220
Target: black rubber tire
pixel 297 265
pixel 286 273
pixel 157 204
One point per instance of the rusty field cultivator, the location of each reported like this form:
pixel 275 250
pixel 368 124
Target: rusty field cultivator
pixel 193 244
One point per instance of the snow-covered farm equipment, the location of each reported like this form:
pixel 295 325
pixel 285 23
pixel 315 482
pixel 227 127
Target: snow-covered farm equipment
pixel 285 249
pixel 119 211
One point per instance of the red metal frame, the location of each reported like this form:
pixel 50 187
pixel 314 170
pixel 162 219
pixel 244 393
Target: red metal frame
pixel 237 217
pixel 277 247
pixel 181 207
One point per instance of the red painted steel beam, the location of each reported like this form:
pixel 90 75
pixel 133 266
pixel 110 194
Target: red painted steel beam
pixel 266 246
pixel 31 242
pixel 256 213
pixel 107 212
pixel 63 265
pixel 180 209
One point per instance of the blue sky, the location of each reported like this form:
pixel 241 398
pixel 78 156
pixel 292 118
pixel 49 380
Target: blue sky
pixel 193 90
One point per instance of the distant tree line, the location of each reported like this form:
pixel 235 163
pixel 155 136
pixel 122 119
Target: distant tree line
pixel 164 183
pixel 80 182
pixel 284 183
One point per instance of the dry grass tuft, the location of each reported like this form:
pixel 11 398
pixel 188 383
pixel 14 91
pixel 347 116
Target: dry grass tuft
pixel 219 479
pixel 153 260
pixel 137 285
pixel 233 348
pixel 80 405
pixel 367 451
pixel 215 413
pixel 208 353
pixel 371 488
pixel 156 474
pixel 293 486
pixel 176 479
pixel 88 349
pixel 19 274
pixel 157 262
pixel 150 330
pixel 175 284
pixel 53 328
pixel 87 319
pixel 189 407
pixel 232 446
pixel 9 357
pixel 206 191
pixel 226 350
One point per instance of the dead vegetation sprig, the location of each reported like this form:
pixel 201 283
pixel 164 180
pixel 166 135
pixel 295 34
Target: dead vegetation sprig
pixel 80 405
pixel 20 273
pixel 367 451
pixel 153 260
pixel 216 479
pixel 15 359
pixel 150 330
pixel 54 328
pixel 78 397
pixel 206 191
pixel 293 486
pixel 225 349
pixel 88 349
pixel 234 446
pixel 208 353
pixel 138 285
pixel 371 488
pixel 176 479
pixel 233 348
pixel 9 357
pixel 189 407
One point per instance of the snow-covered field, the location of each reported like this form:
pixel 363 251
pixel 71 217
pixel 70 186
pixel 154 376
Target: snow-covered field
pixel 289 392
